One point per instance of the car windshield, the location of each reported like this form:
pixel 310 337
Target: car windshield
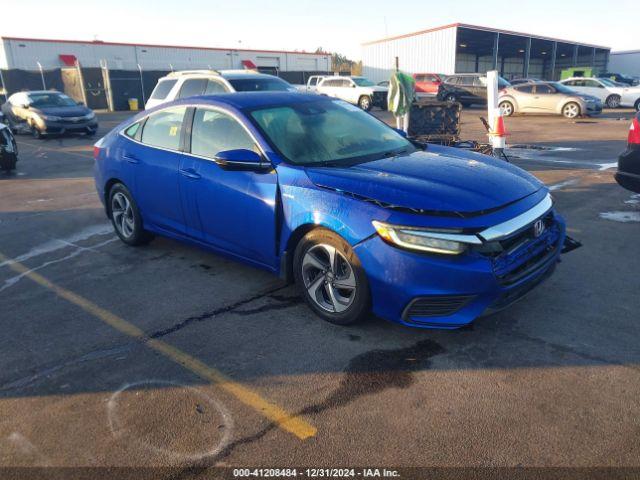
pixel 362 82
pixel 562 88
pixel 328 133
pixel 260 85
pixel 608 83
pixel 44 100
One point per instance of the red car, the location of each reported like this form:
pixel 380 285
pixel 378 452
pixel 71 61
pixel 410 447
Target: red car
pixel 428 82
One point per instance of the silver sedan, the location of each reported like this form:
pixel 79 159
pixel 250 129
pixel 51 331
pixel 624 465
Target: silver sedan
pixel 547 98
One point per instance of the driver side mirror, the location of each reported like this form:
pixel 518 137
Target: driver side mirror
pixel 241 159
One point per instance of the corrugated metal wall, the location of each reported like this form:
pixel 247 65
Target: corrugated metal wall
pixel 625 62
pixel 427 52
pixel 24 54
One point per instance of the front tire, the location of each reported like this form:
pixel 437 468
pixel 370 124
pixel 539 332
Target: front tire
pixel 613 101
pixel 571 110
pixel 365 103
pixel 450 98
pixel 36 133
pixel 637 105
pixel 330 277
pixel 126 218
pixel 506 108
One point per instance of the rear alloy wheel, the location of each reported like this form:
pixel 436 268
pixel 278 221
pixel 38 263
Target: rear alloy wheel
pixel 330 278
pixel 126 218
pixel 571 110
pixel 613 101
pixel 365 103
pixel 506 108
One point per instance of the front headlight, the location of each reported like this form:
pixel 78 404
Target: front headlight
pixel 425 240
pixel 90 116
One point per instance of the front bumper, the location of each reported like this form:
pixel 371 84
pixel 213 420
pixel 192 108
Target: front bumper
pixel 628 174
pixel 594 108
pixel 70 126
pixel 440 291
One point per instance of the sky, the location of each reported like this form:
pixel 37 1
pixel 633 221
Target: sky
pixel 336 26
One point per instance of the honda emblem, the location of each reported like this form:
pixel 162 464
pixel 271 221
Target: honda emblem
pixel 538 228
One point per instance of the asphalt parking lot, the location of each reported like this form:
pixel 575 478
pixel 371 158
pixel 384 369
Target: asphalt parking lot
pixel 167 355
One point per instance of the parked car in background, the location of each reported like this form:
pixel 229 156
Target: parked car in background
pixel 547 97
pixel 190 83
pixel 356 90
pixel 384 83
pixel 621 78
pixel 610 94
pixel 312 84
pixel 8 149
pixel 347 207
pixel 628 174
pixel 46 112
pixel 467 88
pixel 428 83
pixel 518 81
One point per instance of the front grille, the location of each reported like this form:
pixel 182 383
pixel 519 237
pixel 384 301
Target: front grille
pixel 523 254
pixel 436 305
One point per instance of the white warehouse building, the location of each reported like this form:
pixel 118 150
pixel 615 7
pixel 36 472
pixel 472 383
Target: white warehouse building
pixel 626 62
pixel 32 54
pixel 462 48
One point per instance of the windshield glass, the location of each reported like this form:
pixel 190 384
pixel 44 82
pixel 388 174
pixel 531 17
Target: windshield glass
pixel 563 88
pixel 260 85
pixel 608 83
pixel 322 132
pixel 53 99
pixel 362 82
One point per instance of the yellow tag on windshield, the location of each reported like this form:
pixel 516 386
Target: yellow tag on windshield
pixel 173 131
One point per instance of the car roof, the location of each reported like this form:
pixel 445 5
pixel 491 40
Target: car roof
pixel 229 74
pixel 242 100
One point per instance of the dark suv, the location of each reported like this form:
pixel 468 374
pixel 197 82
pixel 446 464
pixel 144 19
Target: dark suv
pixel 467 88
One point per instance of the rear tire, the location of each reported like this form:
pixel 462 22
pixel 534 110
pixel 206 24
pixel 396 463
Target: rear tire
pixel 126 218
pixel 364 102
pixel 507 108
pixel 637 105
pixel 330 278
pixel 613 101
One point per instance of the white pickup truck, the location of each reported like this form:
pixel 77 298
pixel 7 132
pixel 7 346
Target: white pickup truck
pixel 356 90
pixel 312 84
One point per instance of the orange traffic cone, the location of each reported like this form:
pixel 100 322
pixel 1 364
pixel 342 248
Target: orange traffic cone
pixel 499 130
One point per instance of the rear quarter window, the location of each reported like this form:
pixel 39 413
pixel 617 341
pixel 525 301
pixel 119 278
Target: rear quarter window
pixel 162 89
pixel 163 129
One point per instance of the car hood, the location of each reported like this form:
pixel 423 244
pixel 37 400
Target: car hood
pixel 436 183
pixel 76 111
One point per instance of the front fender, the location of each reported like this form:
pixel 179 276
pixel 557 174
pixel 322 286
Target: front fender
pixel 304 204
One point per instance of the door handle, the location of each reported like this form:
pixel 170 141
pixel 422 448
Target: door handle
pixel 130 158
pixel 190 173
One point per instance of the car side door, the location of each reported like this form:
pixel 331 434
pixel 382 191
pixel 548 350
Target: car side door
pixel 525 98
pixel 545 98
pixel 17 110
pixel 155 160
pixel 230 209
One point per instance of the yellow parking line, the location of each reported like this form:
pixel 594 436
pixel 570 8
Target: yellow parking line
pixel 291 423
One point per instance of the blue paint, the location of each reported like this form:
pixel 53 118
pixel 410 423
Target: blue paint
pixel 252 215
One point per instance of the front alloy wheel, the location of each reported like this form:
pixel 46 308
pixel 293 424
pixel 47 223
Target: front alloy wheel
pixel 330 278
pixel 506 108
pixel 571 110
pixel 365 103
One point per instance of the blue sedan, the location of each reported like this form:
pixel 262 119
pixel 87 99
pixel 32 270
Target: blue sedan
pixel 321 193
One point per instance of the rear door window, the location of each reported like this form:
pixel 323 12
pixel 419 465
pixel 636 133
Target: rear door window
pixel 214 87
pixel 163 129
pixel 544 89
pixel 162 89
pixel 524 88
pixel 192 87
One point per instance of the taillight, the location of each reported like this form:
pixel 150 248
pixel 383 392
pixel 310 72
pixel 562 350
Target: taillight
pixel 96 152
pixel 503 91
pixel 634 132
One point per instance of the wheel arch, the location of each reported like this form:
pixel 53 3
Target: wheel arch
pixel 109 184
